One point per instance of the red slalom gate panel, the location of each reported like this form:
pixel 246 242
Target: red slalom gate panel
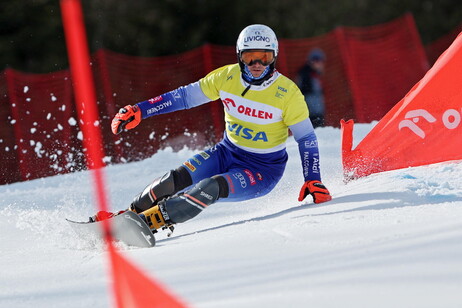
pixel 425 127
pixel 134 289
pixel 131 288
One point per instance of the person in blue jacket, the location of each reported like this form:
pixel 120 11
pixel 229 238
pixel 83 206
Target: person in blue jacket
pixel 310 83
pixel 260 106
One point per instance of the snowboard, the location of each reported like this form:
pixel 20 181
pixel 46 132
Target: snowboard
pixel 126 227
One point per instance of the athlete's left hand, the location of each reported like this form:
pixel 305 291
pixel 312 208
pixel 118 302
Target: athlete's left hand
pixel 317 190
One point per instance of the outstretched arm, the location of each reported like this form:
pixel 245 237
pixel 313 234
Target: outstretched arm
pixel 184 97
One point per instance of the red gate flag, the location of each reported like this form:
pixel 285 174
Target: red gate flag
pixel 425 127
pixel 134 289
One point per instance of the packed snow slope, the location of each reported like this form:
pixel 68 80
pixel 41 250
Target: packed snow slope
pixel 388 240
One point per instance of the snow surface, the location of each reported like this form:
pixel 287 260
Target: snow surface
pixel 388 240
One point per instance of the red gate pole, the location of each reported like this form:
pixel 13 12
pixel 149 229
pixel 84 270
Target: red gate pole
pixel 84 92
pixel 131 287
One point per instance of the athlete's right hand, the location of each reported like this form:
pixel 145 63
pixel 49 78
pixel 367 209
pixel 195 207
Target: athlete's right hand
pixel 128 117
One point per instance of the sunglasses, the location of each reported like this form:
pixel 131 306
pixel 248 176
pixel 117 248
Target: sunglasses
pixel 250 57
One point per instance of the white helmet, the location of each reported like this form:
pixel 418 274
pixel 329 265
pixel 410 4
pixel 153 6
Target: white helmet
pixel 257 37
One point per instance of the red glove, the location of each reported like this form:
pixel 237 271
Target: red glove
pixel 317 190
pixel 127 118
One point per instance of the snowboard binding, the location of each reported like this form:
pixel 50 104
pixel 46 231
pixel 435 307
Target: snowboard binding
pixel 155 220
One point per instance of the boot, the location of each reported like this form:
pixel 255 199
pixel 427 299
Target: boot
pixel 184 206
pixel 163 187
pixel 155 219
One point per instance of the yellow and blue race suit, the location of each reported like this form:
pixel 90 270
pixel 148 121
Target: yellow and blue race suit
pixel 252 154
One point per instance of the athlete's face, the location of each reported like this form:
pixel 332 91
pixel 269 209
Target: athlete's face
pixel 256 69
pixel 257 60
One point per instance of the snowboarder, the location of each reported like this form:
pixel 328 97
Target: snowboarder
pixel 260 104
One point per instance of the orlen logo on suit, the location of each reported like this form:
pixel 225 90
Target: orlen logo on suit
pixel 251 112
pixel 451 119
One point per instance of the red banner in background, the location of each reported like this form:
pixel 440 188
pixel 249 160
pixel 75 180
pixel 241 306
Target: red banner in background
pixel 437 47
pixel 382 62
pixel 425 127
pixel 368 69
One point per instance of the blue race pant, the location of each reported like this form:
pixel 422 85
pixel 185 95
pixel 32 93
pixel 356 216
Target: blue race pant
pixel 249 175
